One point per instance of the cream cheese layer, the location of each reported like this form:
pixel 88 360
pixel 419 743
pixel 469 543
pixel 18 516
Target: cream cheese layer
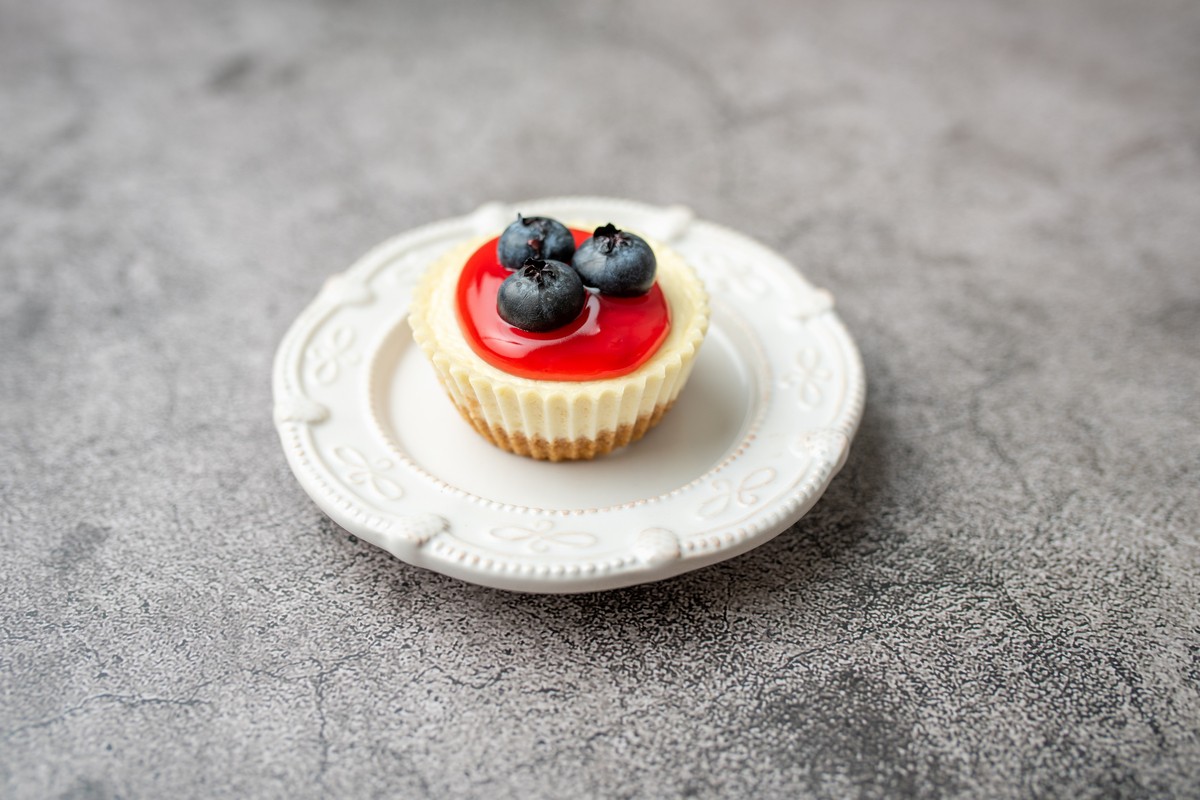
pixel 558 411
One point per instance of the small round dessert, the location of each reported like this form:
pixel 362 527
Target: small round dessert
pixel 575 392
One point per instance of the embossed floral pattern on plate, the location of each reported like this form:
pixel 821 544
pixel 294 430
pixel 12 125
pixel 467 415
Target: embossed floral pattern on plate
pixel 800 380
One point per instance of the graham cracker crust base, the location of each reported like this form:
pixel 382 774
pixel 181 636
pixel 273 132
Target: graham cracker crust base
pixel 581 449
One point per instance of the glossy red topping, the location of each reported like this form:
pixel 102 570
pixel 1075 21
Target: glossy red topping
pixel 612 336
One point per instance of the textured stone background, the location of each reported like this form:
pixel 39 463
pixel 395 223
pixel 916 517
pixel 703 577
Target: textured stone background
pixel 998 596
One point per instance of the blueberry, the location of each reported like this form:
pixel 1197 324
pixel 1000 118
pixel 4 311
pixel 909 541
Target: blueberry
pixel 616 262
pixel 541 296
pixel 535 237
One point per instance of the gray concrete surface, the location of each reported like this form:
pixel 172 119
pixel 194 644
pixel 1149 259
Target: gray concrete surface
pixel 998 597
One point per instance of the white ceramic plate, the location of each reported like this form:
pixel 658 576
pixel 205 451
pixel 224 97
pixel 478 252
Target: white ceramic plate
pixel 755 437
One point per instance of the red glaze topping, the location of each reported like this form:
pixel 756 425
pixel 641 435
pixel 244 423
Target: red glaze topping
pixel 612 336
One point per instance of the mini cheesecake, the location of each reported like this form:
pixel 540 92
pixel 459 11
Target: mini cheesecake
pixel 582 391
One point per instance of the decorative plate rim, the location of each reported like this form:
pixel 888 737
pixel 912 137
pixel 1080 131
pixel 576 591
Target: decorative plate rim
pixel 422 530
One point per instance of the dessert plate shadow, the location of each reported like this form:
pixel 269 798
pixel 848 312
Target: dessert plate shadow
pixel 762 426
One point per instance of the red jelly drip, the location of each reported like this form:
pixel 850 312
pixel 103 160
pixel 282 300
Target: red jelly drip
pixel 612 336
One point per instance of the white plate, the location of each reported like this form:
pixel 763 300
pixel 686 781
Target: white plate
pixel 756 435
